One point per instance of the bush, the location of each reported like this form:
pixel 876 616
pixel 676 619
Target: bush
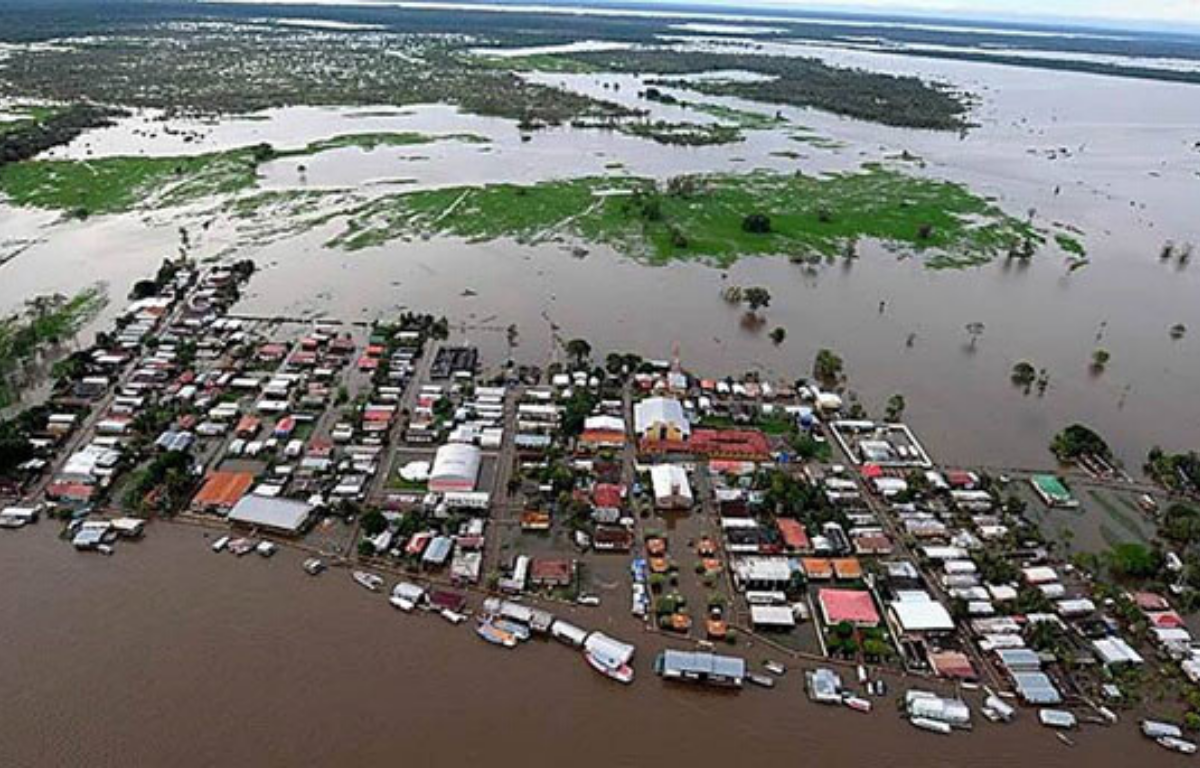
pixel 757 223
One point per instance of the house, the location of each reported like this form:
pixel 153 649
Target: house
pixel 603 432
pixel 552 572
pixel 671 488
pixel 848 605
pixel 222 490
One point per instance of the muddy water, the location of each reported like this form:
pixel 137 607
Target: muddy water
pixel 167 654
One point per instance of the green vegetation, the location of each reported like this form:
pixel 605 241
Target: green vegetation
pixel 41 127
pixel 801 82
pixel 684 134
pixel 1177 471
pixel 1078 441
pixel 118 184
pixel 231 69
pixel 704 217
pixel 1070 244
pixel 47 321
pixel 827 367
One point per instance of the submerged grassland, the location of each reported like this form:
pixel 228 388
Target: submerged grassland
pixel 714 218
pixel 118 184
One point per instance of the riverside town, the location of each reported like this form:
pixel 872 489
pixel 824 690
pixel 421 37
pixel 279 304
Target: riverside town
pixel 755 533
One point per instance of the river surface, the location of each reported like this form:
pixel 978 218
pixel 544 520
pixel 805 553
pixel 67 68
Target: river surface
pixel 1117 159
pixel 166 654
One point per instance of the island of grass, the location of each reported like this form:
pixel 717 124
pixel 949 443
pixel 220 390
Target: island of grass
pixel 713 218
pixel 118 184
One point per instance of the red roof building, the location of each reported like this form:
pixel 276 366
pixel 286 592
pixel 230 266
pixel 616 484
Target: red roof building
pixel 552 572
pixel 793 534
pixel 848 605
pixel 607 496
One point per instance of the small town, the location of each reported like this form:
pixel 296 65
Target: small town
pixel 759 534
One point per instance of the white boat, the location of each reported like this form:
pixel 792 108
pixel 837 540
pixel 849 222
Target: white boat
pixel 266 548
pixel 241 547
pixel 104 549
pixel 220 544
pixel 1157 729
pixel 622 673
pixel 368 580
pixel 402 603
pixel 1181 746
pixel 1057 718
pixel 775 668
pixel 454 617
pixel 997 710
pixel 857 703
pixel 933 726
pixel 313 566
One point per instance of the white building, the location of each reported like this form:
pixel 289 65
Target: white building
pixel 661 418
pixel 455 468
pixel 671 488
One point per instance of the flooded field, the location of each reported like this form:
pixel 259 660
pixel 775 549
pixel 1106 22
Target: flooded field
pixel 1112 158
pixel 169 653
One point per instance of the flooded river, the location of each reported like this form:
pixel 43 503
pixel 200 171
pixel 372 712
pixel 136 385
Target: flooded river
pixel 167 654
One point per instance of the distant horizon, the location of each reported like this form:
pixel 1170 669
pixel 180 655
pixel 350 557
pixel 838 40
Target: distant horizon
pixel 1185 21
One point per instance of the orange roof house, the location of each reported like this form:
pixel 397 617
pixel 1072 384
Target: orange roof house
pixel 223 489
pixel 817 567
pixel 847 568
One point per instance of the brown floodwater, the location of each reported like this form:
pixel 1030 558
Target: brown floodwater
pixel 166 654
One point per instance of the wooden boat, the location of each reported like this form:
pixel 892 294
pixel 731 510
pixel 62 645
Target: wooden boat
pixel 496 636
pixel 367 580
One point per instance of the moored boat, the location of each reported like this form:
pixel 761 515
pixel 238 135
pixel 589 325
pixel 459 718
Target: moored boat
pixel 313 566
pixel 220 544
pixel 933 726
pixel 857 703
pixel 494 635
pixel 622 673
pixel 368 580
pixel 763 681
pixel 454 617
pixel 1182 746
pixel 775 668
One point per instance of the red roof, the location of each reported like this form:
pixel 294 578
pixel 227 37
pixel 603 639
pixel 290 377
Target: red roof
pixel 870 471
pixel 793 533
pixel 1166 620
pixel 607 495
pixel 731 444
pixel 849 605
pixel 551 571
pixel 1149 601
